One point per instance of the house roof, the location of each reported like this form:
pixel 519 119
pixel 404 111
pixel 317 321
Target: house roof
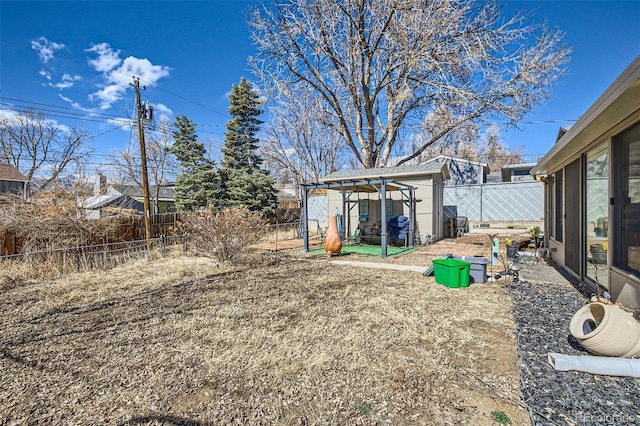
pixel 619 101
pixel 102 201
pixel 166 192
pixel 9 172
pixel 389 173
pixel 98 201
pixel 448 158
pixel 507 169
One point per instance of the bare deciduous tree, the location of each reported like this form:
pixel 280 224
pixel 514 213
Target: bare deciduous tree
pixel 40 147
pixel 465 141
pixel 299 145
pixel 382 65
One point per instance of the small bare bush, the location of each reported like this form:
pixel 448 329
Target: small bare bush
pixel 223 234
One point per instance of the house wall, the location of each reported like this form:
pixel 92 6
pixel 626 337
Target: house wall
pixel 623 286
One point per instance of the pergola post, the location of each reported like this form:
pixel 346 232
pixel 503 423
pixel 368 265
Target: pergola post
pixel 411 218
pixel 383 215
pixel 305 219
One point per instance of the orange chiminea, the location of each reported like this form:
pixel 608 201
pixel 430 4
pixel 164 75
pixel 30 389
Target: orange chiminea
pixel 332 240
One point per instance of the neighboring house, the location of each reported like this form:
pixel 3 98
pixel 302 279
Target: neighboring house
pixel 517 172
pixel 361 196
pixel 592 192
pixel 12 181
pixel 99 206
pixel 164 203
pixel 287 196
pixel 106 198
pixel 461 171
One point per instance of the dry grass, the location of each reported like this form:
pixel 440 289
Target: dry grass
pixel 178 341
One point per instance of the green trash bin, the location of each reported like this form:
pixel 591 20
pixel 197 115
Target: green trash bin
pixel 451 272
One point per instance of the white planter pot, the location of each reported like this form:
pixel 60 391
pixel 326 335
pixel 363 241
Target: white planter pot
pixel 606 330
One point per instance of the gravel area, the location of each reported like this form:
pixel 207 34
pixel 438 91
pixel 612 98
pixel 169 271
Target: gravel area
pixel 542 313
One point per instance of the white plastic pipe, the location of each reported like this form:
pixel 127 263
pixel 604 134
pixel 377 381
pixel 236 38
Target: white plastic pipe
pixel 622 367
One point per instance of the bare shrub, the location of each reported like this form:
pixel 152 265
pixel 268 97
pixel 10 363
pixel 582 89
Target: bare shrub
pixel 51 222
pixel 222 234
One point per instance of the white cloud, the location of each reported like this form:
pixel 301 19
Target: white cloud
pixel 119 73
pixel 46 74
pixel 162 112
pixel 125 123
pixel 67 77
pixel 148 73
pixel 67 82
pixel 107 58
pixel 46 49
pixel 16 117
pixel 108 95
pixel 76 105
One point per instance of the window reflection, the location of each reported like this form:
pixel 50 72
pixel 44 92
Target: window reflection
pixel 627 200
pixel 596 214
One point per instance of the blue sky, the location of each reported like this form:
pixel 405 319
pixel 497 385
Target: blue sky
pixel 75 58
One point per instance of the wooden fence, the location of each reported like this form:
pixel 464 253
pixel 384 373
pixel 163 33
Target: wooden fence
pixel 130 229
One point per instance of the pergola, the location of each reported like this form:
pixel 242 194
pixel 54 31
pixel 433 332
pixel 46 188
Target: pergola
pixel 349 187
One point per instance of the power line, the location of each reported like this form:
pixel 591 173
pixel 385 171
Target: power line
pixel 74 115
pixel 72 110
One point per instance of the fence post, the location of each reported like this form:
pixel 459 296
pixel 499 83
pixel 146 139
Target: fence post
pixel 162 242
pixel 78 258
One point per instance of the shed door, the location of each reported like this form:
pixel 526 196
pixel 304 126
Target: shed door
pixel 572 221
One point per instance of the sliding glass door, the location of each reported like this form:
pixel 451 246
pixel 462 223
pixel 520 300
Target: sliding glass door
pixel 627 201
pixel 596 214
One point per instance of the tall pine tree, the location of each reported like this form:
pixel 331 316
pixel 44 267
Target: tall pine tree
pixel 197 185
pixel 243 181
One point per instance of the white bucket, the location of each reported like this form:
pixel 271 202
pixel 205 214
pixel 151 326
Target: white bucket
pixel 606 330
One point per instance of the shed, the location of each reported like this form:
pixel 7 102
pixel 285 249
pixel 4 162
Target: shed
pixel 361 195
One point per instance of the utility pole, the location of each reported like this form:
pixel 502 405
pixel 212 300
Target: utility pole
pixel 143 157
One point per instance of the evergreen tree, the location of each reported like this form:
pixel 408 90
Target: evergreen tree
pixel 244 182
pixel 196 186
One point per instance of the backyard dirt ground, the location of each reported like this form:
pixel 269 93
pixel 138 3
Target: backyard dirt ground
pixel 180 340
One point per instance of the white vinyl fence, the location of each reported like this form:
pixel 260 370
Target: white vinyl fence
pixel 489 202
pixel 496 202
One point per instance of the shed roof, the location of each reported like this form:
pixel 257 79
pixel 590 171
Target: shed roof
pixel 9 172
pixel 396 172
